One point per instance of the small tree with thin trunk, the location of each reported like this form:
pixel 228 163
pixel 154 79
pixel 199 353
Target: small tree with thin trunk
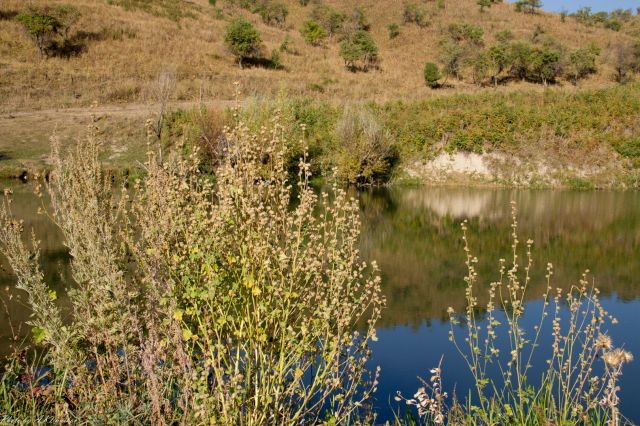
pixel 359 48
pixel 42 28
pixel 243 40
pixel 498 59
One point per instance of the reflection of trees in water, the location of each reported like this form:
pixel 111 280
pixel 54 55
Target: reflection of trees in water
pixel 414 234
pixel 54 263
pixel 417 242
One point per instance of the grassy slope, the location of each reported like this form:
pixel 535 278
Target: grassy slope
pixel 127 48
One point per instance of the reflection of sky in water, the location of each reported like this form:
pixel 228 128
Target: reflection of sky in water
pixel 405 353
pixel 414 234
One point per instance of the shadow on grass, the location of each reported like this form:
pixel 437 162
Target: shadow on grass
pixel 266 63
pixel 6 15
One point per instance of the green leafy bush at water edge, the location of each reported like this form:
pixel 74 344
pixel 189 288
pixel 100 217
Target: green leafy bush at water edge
pixel 511 123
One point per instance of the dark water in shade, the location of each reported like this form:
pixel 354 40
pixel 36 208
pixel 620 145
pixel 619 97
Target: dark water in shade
pixel 414 235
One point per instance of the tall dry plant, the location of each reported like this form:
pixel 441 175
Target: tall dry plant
pixel 515 382
pixel 236 301
pixel 161 91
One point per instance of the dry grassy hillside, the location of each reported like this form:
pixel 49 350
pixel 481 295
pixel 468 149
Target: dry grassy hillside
pixel 126 48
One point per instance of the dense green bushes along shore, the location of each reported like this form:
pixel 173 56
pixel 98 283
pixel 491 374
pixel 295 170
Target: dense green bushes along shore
pixel 373 143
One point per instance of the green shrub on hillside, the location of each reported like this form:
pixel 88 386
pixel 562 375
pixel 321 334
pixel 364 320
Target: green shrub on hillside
pixel 272 13
pixel 628 147
pixel 466 33
pixel 359 51
pixel 498 60
pixel 528 6
pixel 243 40
pixel 414 14
pixel 431 75
pixel 613 20
pixel 459 47
pixel 481 67
pixel 483 4
pixel 42 28
pixel 50 28
pixel 394 30
pixel 520 57
pixel 359 19
pixel 331 19
pixel 582 62
pixel 624 57
pixel 453 57
pixel 545 65
pixel 313 32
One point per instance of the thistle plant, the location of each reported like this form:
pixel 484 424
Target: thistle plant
pixel 239 299
pixel 579 380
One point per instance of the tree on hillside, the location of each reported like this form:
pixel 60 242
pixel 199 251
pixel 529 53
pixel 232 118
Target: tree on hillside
pixel 453 56
pixel 272 13
pixel 545 64
pixel 458 48
pixel 313 32
pixel 504 36
pixel 484 4
pixel 431 75
pixel 243 40
pixel 359 19
pixel 497 60
pixel 49 28
pixel 359 49
pixel 528 6
pixel 481 67
pixel 582 62
pixel 330 19
pixel 68 15
pixel 520 57
pixel 413 14
pixel 625 60
pixel 42 28
pixel 466 33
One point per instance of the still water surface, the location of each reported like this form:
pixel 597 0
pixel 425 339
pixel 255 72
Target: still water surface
pixel 414 234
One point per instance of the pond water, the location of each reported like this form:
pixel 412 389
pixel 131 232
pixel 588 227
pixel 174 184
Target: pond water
pixel 414 235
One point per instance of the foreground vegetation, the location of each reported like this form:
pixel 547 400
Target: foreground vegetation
pixel 243 300
pixel 199 311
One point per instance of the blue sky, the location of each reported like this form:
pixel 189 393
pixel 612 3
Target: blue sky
pixel 596 5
